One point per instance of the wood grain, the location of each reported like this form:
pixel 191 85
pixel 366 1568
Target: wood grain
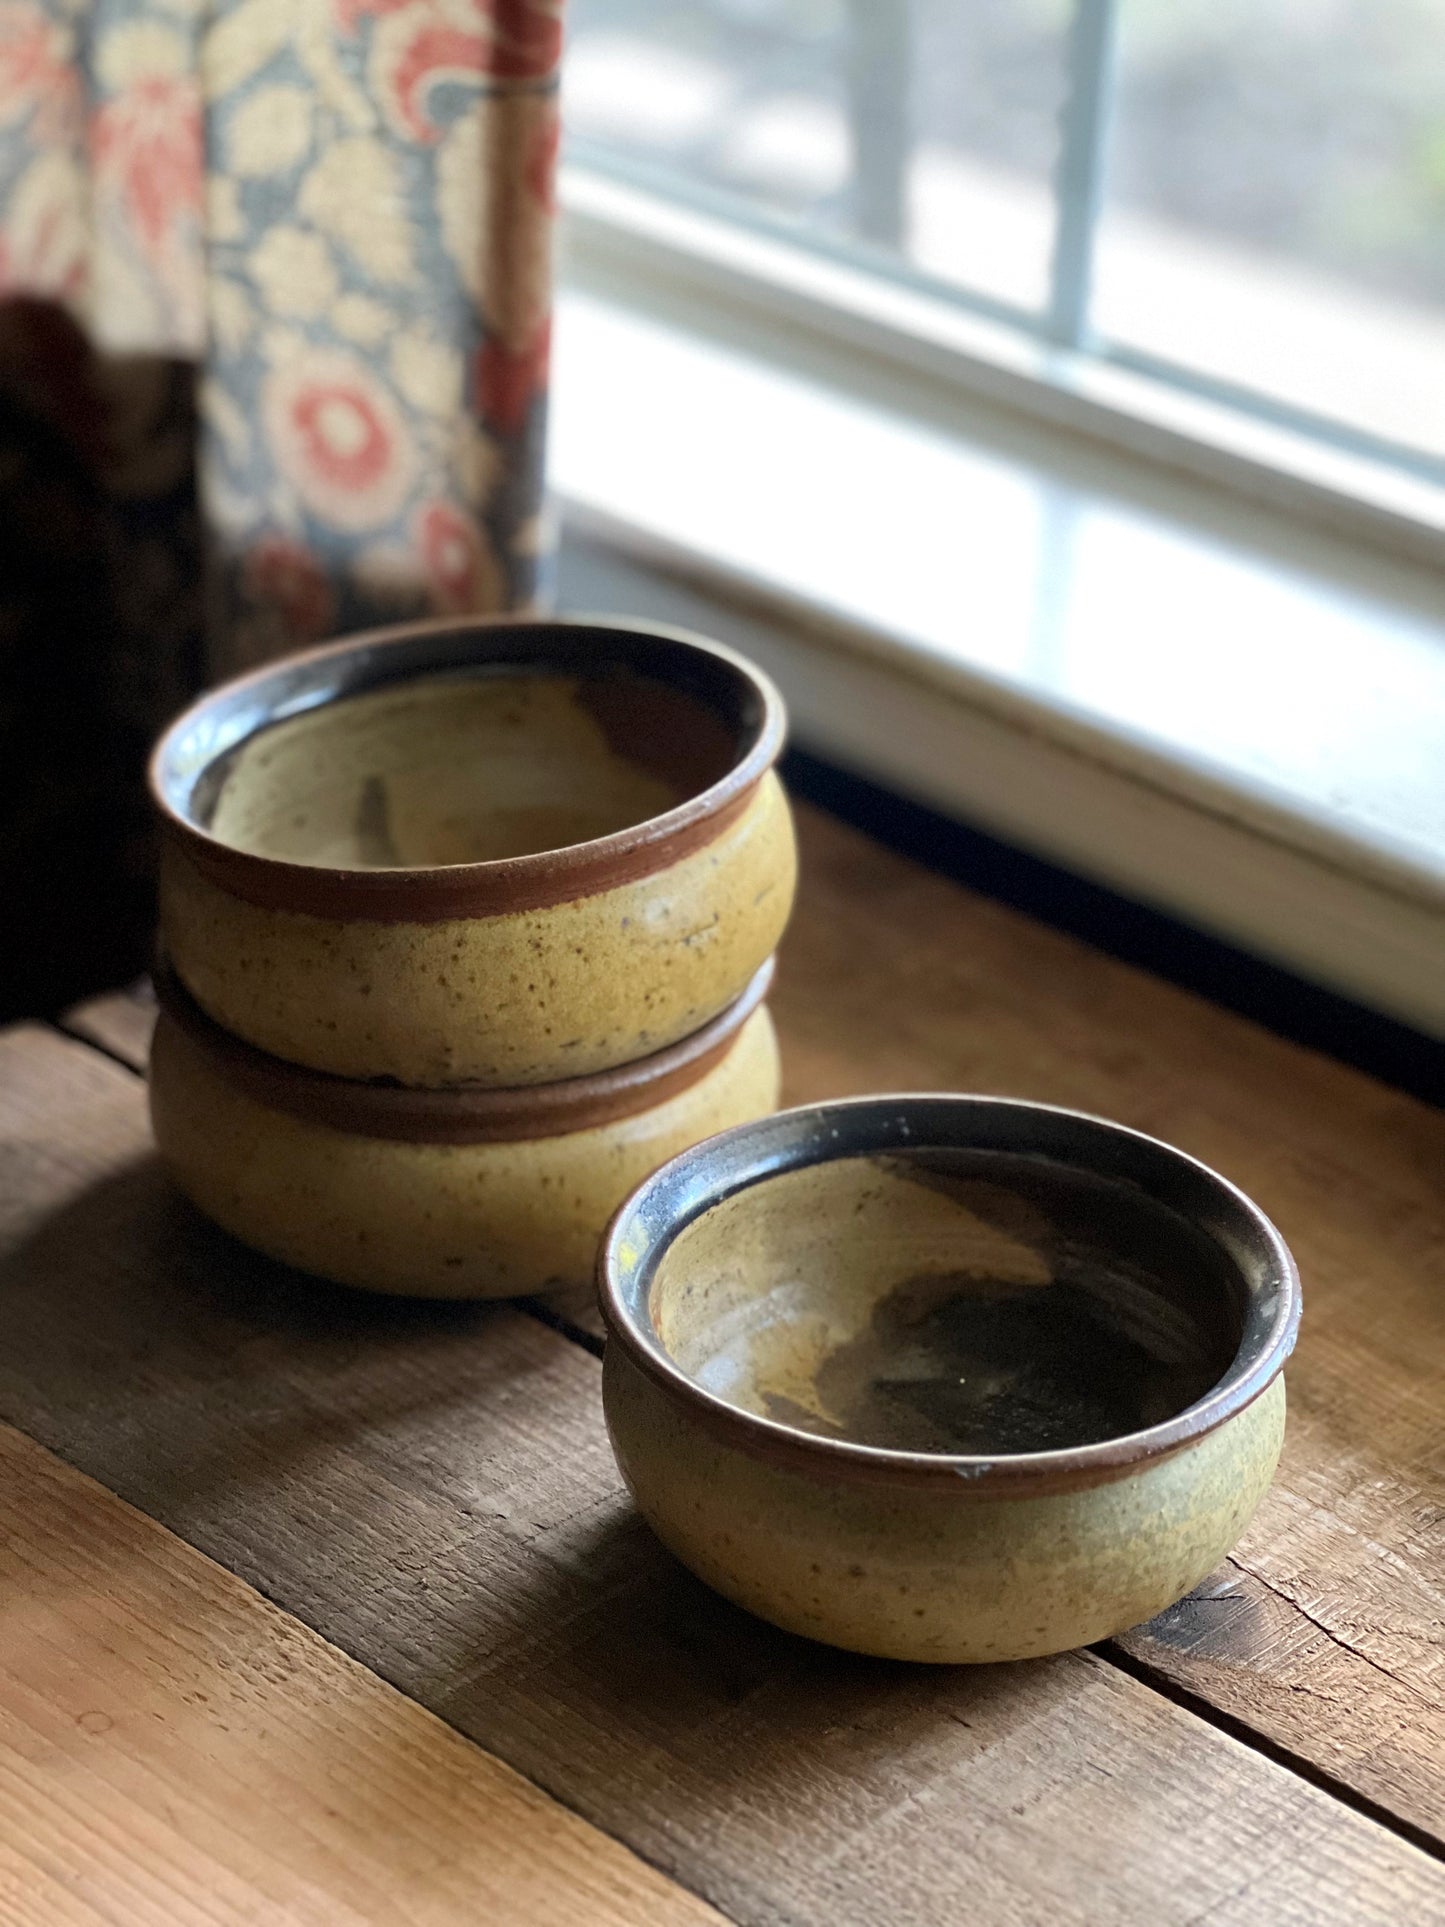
pixel 1327 1632
pixel 174 1748
pixel 431 1489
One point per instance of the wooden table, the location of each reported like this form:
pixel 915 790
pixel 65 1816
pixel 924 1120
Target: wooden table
pixel 323 1609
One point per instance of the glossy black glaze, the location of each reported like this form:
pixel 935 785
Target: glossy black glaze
pixel 1262 1279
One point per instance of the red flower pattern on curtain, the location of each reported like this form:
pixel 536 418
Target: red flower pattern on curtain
pixel 345 220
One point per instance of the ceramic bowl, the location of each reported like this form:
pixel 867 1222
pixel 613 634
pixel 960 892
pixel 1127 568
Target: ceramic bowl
pixel 438 1194
pixel 946 1378
pixel 476 852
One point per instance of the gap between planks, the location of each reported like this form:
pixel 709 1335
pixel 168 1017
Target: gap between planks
pixel 119 1024
pixel 566 1319
pixel 1116 1653
pixel 172 1745
pixel 574 1316
pixel 1323 1637
pixel 1103 1800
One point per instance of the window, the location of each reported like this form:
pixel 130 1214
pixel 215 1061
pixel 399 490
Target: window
pixel 1243 200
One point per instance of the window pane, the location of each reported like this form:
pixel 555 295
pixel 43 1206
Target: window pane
pixel 990 87
pixel 744 95
pixel 924 129
pixel 1276 213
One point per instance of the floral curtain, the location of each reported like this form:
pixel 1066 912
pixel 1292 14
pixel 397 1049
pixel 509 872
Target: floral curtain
pixel 274 324
pixel 340 210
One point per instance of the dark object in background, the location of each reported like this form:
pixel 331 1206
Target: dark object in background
pixel 100 610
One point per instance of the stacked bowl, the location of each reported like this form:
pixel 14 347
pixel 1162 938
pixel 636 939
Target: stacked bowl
pixel 465 929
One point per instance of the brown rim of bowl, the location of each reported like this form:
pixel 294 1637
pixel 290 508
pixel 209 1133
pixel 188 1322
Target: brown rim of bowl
pixel 462 1113
pixel 216 725
pixel 747 1154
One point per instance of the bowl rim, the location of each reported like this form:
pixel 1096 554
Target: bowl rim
pixel 224 717
pixel 460 1113
pixel 734 1160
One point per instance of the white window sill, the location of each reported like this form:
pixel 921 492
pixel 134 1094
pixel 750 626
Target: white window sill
pixel 1187 695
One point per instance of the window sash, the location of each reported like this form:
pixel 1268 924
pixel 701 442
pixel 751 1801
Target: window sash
pixel 877 82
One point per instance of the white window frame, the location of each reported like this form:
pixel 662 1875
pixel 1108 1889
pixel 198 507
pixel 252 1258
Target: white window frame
pixel 1327 896
pixel 675 246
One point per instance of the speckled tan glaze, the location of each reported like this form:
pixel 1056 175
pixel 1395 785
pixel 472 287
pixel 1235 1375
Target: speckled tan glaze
pixel 937 1575
pixel 483 1220
pixel 518 998
pixel 793 1306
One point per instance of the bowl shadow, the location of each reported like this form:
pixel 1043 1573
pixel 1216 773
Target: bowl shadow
pixel 430 1487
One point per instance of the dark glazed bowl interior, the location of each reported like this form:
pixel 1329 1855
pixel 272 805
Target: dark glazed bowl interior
pixel 476 745
pixel 951 1286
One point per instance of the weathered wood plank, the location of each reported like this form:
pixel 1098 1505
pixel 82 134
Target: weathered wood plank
pixel 431 1489
pixel 1328 1632
pixel 174 1748
pixel 120 1023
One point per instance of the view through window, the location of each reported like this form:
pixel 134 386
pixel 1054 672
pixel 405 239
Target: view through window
pixel 1246 197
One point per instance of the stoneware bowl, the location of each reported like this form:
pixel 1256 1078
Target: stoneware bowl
pixel 476 852
pixel 438 1194
pixel 946 1378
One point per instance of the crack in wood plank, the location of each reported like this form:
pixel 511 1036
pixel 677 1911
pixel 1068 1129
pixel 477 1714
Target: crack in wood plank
pixel 892 978
pixel 431 1489
pixel 1336 1639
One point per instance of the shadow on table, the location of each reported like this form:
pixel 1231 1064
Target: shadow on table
pixel 430 1487
pixel 778 1777
pixel 146 1345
